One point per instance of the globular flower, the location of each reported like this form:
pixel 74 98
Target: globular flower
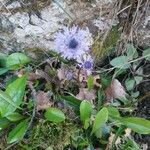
pixel 73 42
pixel 86 62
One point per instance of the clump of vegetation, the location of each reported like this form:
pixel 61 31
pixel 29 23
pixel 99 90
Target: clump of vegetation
pixel 66 102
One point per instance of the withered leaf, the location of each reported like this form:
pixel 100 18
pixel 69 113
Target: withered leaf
pixel 115 90
pixel 43 100
pixel 86 94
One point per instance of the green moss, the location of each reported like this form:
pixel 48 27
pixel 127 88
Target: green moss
pixel 102 47
pixel 46 134
pixel 37 54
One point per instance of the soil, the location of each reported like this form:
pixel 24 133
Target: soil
pixel 143 109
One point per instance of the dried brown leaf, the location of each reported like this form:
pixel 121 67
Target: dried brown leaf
pixel 127 132
pixel 86 94
pixel 61 74
pixel 43 100
pixel 33 76
pixel 115 90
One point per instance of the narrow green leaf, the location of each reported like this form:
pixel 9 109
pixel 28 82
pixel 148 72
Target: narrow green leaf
pixel 100 119
pixel 138 125
pixel 90 81
pixel 16 60
pixel 15 117
pixel 54 115
pixel 18 132
pixel 3 58
pixel 120 62
pixel 16 91
pixel 85 112
pixel 71 100
pixel 4 122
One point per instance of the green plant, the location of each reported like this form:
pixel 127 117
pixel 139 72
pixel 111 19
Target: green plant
pixel 88 111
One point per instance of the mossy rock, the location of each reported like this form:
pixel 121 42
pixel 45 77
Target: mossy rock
pixel 102 46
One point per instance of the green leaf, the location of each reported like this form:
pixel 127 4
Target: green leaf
pixel 4 122
pixel 85 112
pixel 15 117
pixel 105 81
pixel 120 62
pixel 3 58
pixel 16 91
pixel 103 131
pixel 135 94
pixel 119 72
pixel 113 112
pixel 3 70
pixel 138 79
pixel 129 83
pixel 90 81
pixel 100 119
pixel 131 51
pixel 71 100
pixel 54 115
pixel 16 60
pixel 138 125
pixel 146 54
pixel 5 101
pixel 18 132
pixel 132 143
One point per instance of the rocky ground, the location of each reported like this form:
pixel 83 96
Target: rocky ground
pixel 28 24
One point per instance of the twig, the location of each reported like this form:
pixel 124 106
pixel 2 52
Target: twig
pixel 34 103
pixel 10 146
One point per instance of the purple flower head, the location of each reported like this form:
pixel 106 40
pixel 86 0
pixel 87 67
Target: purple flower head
pixel 86 63
pixel 73 42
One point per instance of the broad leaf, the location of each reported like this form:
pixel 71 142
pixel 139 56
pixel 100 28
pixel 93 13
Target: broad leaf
pixel 54 115
pixel 138 125
pixel 18 132
pixel 5 101
pixel 16 91
pixel 146 54
pixel 129 84
pixel 3 70
pixel 138 79
pixel 113 112
pixel 16 60
pixel 131 52
pixel 120 62
pixel 100 119
pixel 85 112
